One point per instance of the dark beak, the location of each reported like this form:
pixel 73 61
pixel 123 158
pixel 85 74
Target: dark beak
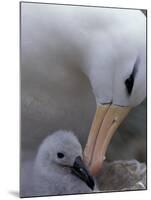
pixel 80 170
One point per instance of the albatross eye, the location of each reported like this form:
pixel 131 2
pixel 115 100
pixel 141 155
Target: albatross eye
pixel 60 155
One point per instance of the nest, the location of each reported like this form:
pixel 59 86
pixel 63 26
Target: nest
pixel 122 175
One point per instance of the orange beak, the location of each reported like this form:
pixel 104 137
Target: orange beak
pixel 106 120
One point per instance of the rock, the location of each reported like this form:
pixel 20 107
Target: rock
pixel 122 175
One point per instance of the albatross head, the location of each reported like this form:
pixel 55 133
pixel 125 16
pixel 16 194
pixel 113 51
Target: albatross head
pixel 117 89
pixel 61 153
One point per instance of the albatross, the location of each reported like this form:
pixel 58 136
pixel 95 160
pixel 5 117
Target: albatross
pixel 58 168
pixel 108 45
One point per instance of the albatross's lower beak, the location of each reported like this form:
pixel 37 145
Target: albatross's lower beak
pixel 106 120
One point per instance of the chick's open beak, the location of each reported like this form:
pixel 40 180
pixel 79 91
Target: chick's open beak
pixel 106 120
pixel 80 170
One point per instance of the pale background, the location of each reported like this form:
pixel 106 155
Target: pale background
pixel 9 87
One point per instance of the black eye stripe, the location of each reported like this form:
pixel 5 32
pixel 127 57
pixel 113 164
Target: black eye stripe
pixel 60 155
pixel 129 84
pixel 130 81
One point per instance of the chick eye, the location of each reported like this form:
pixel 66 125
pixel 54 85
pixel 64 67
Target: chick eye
pixel 60 155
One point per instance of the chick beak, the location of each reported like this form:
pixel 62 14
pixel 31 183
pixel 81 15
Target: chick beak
pixel 80 170
pixel 106 120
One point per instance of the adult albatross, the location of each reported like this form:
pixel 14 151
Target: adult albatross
pixel 107 45
pixel 117 72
